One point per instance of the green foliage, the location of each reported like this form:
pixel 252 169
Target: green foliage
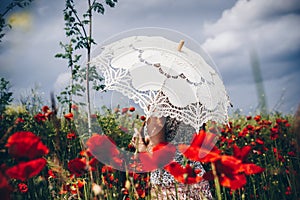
pixel 79 31
pixel 118 126
pixel 5 94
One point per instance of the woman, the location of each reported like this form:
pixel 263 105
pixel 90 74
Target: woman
pixel 164 186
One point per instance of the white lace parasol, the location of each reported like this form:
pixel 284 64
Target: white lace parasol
pixel 164 80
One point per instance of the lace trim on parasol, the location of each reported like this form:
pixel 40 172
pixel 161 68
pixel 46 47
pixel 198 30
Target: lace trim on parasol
pixel 195 114
pixel 167 75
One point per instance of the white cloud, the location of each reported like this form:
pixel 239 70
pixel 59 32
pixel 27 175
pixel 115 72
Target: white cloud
pixel 271 28
pixel 62 81
pixel 257 24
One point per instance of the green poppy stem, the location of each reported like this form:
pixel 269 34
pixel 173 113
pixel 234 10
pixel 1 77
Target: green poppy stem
pixel 216 180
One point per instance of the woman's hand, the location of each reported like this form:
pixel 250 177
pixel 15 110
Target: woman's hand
pixel 156 131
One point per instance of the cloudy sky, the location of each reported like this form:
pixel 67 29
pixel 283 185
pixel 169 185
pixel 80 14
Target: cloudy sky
pixel 228 30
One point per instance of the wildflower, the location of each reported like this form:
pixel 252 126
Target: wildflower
pixel 26 170
pixel 274 132
pixel 69 116
pixel 288 190
pixel 71 135
pixel 51 174
pixel 40 117
pixel 77 166
pixel 26 145
pixel 292 153
pixel 257 118
pixel 131 109
pixel 259 141
pixel 23 187
pixel 19 120
pixel 74 107
pixel 47 115
pixel 93 164
pixel 85 153
pixel 246 167
pixel 202 148
pixel 161 155
pixel 104 149
pixel 228 172
pixel 124 110
pixel 143 118
pixel 186 175
pixel 287 125
pixel 279 157
pixel 45 109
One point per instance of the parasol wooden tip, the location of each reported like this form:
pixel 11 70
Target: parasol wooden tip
pixel 181 43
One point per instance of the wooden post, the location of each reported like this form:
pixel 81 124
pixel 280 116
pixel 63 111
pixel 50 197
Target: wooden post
pixel 181 43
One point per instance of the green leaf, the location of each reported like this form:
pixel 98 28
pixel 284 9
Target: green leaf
pixel 98 7
pixel 110 3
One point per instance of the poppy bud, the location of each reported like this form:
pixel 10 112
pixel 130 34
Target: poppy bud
pixel 132 109
pixel 143 118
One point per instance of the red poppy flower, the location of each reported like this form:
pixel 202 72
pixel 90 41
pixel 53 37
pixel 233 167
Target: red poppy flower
pixel 251 168
pixel 274 133
pixel 51 174
pixel 26 145
pixel 48 114
pixel 228 172
pixel 162 154
pixel 241 153
pixel 74 107
pixel 186 175
pixel 26 170
pixel 93 164
pixel 45 109
pixel 259 141
pixel 23 188
pixel 77 166
pixel 288 190
pixel 143 118
pixel 124 110
pixel 131 109
pixel 107 169
pixel 69 116
pixel 292 153
pixel 19 120
pixel 104 149
pixel 85 153
pixel 257 118
pixel 40 117
pixel 202 148
pixel 71 136
pixel 279 157
pixel 246 167
pixel 287 124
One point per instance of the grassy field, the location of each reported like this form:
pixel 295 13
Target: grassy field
pixel 45 156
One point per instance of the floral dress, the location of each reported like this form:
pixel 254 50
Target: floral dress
pixel 164 186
